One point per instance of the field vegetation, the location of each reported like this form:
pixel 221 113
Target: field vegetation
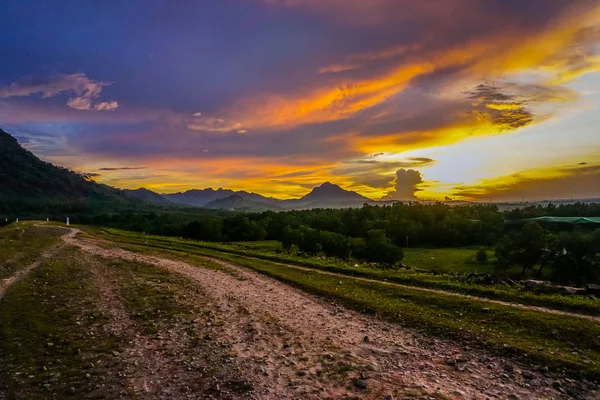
pixel 448 282
pixel 560 342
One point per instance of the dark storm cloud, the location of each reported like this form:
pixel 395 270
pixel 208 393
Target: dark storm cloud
pixel 406 185
pixel 89 174
pixel 376 173
pixel 383 165
pixel 504 110
pixel 120 168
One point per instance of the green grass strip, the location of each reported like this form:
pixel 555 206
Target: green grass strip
pixel 576 304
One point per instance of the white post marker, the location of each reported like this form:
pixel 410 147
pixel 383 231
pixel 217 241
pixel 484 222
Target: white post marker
pixel 47 219
pixel 68 222
pixel 17 219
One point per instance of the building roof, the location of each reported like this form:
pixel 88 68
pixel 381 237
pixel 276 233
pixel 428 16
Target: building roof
pixel 558 220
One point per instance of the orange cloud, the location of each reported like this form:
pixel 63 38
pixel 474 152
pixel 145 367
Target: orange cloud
pixel 478 59
pixel 325 104
pixel 580 181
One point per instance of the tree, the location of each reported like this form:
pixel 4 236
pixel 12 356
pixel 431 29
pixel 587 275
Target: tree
pixel 576 258
pixel 335 245
pixel 207 228
pixel 379 248
pixel 525 249
pixel 287 238
pixel 309 240
pixel 529 246
pixel 358 248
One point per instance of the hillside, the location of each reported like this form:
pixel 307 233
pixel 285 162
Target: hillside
pixel 29 186
pixel 238 203
pixel 148 197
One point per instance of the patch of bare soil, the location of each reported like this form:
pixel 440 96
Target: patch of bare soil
pixel 294 345
pixel 168 364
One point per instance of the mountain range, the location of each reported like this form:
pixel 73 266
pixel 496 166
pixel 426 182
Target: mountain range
pixel 327 195
pixel 200 198
pixel 28 183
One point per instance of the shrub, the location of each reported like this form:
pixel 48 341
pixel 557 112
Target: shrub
pixel 481 255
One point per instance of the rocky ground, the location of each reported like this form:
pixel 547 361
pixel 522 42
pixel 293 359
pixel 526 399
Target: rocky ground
pixel 293 345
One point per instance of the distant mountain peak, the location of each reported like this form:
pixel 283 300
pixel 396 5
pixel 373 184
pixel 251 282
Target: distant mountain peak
pixel 328 186
pixel 328 191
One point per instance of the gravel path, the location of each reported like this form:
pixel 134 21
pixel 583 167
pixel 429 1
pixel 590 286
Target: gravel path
pixel 293 345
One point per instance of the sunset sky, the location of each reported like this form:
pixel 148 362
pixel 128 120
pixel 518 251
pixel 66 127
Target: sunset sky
pixel 400 99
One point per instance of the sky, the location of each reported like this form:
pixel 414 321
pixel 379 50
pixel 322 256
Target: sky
pixel 394 99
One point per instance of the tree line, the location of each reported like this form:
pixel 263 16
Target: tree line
pixel 436 225
pixel 578 209
pixel 571 257
pixel 371 233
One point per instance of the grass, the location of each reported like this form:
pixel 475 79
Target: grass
pixel 168 306
pixel 563 343
pixel 46 320
pixel 460 260
pixel 264 245
pixel 155 298
pixel 22 243
pixel 52 344
pixel 58 338
pixel 447 282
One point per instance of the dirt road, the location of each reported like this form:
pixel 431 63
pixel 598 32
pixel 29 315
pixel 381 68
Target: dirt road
pixel 293 345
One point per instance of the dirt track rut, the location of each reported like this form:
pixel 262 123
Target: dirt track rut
pixel 20 274
pixel 448 293
pixel 293 345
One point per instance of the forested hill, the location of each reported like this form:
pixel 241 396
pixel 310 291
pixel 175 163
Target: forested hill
pixel 32 187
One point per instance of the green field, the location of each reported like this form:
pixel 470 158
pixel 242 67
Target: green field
pixel 458 260
pixel 442 260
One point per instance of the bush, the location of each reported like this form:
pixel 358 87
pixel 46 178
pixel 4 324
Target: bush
pixel 381 249
pixel 481 255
